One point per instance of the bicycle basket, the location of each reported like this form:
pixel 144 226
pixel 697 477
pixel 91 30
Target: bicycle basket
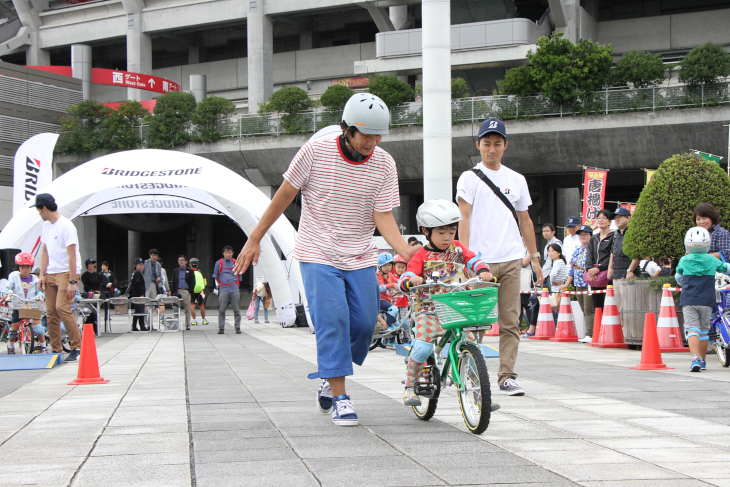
pixel 465 308
pixel 5 313
pixel 31 310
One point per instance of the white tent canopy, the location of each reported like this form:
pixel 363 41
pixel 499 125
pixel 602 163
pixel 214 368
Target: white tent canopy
pixel 157 181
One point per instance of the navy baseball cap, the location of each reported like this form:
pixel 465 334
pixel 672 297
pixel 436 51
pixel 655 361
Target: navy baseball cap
pixel 492 125
pixel 138 260
pixel 573 221
pixel 620 211
pixel 43 199
pixel 90 261
pixel 585 228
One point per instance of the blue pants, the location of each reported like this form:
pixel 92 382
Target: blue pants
pixel 385 306
pixel 344 310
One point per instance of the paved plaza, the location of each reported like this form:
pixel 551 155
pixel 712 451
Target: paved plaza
pixel 207 410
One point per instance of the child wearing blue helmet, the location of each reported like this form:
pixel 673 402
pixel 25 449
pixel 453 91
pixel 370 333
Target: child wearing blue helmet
pixel 387 283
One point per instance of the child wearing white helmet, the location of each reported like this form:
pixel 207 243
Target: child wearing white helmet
pixel 438 220
pixel 696 274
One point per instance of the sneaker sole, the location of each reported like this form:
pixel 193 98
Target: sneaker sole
pixel 412 403
pixel 512 393
pixel 696 368
pixel 345 422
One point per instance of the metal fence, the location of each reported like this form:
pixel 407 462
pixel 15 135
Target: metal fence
pixel 477 109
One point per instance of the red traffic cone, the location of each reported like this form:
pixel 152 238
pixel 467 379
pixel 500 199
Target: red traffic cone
pixel 88 362
pixel 651 357
pixel 566 331
pixel 668 332
pixel 545 325
pixel 494 332
pixel 612 336
pixel 596 326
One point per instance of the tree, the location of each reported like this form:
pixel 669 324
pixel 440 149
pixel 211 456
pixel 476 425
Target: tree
pixel 564 71
pixel 518 81
pixel 170 124
pixel 288 102
pixel 639 69
pixel 459 88
pixel 664 211
pixel 705 64
pixel 391 90
pixel 82 129
pixel 207 116
pixel 121 127
pixel 335 97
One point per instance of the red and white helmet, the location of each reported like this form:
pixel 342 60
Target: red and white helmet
pixel 24 258
pixel 398 259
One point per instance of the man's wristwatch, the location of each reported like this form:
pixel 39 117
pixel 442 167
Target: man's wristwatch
pixel 73 282
pixel 536 255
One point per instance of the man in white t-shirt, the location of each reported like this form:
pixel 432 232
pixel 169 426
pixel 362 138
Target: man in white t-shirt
pixel 349 188
pixel 492 229
pixel 59 274
pixel 571 240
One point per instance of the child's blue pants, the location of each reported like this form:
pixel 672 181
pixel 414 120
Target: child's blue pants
pixel 344 309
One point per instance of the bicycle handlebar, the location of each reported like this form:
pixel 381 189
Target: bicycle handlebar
pixel 473 280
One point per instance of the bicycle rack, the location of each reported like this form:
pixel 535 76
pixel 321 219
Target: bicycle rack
pixel 147 313
pixel 170 324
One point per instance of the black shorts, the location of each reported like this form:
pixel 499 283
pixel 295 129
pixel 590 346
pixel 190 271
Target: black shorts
pixel 197 299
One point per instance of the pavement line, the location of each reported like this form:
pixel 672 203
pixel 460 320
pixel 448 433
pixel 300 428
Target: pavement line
pixel 193 480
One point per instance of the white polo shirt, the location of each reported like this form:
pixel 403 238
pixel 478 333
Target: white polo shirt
pixel 492 228
pixel 570 243
pixel 57 236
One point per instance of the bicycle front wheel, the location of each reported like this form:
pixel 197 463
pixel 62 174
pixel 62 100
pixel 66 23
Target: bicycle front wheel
pixel 722 354
pixel 475 398
pixel 26 338
pixel 427 409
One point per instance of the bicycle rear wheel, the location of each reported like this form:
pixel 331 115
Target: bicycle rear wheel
pixel 476 398
pixel 427 409
pixel 722 354
pixel 26 338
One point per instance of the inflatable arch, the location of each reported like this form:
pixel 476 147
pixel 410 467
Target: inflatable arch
pixel 102 185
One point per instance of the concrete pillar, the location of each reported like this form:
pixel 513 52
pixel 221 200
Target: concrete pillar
pixel 89 248
pixel 193 55
pixel 260 55
pixel 34 55
pixel 29 15
pixel 306 40
pixel 566 16
pixel 139 52
pixel 267 190
pixel 399 16
pixel 134 249
pixel 568 204
pixel 81 67
pixel 199 86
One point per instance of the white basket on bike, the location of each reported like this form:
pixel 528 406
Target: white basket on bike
pixel 28 309
pixel 724 297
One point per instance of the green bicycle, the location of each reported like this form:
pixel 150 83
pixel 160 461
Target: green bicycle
pixel 460 312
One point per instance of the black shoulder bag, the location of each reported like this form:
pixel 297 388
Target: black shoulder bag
pixel 499 194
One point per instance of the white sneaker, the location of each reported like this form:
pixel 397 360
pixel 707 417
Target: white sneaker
pixel 511 387
pixel 587 339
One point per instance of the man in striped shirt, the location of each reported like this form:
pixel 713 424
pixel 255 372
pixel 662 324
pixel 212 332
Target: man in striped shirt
pixel 349 187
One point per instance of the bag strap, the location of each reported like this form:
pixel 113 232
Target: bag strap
pixel 643 269
pixel 499 194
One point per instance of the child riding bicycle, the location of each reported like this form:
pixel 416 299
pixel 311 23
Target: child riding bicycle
pixel 25 285
pixel 387 283
pixel 445 259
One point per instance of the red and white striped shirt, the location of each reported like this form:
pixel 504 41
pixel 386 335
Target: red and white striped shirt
pixel 338 200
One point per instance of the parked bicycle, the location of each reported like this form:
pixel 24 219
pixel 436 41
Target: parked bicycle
pixel 400 331
pixel 460 311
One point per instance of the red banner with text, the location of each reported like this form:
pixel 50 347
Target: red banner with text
pixel 114 77
pixel 594 194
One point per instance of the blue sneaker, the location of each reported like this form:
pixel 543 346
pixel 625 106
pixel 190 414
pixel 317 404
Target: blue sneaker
pixel 703 364
pixel 343 414
pixel 324 397
pixel 696 364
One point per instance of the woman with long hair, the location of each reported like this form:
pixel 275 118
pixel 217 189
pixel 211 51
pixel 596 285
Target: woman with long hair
pixel 598 257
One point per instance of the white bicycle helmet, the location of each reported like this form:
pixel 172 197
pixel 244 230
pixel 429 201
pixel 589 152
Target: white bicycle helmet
pixel 697 240
pixel 437 213
pixel 368 113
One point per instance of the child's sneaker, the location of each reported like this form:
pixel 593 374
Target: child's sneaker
pixel 343 414
pixel 324 397
pixel 194 323
pixel 11 348
pixel 528 335
pixel 205 322
pixel 703 364
pixel 410 398
pixel 696 364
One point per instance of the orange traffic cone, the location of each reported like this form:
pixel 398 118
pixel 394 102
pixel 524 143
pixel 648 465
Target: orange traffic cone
pixel 566 324
pixel 545 325
pixel 670 336
pixel 651 357
pixel 612 336
pixel 88 362
pixel 596 326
